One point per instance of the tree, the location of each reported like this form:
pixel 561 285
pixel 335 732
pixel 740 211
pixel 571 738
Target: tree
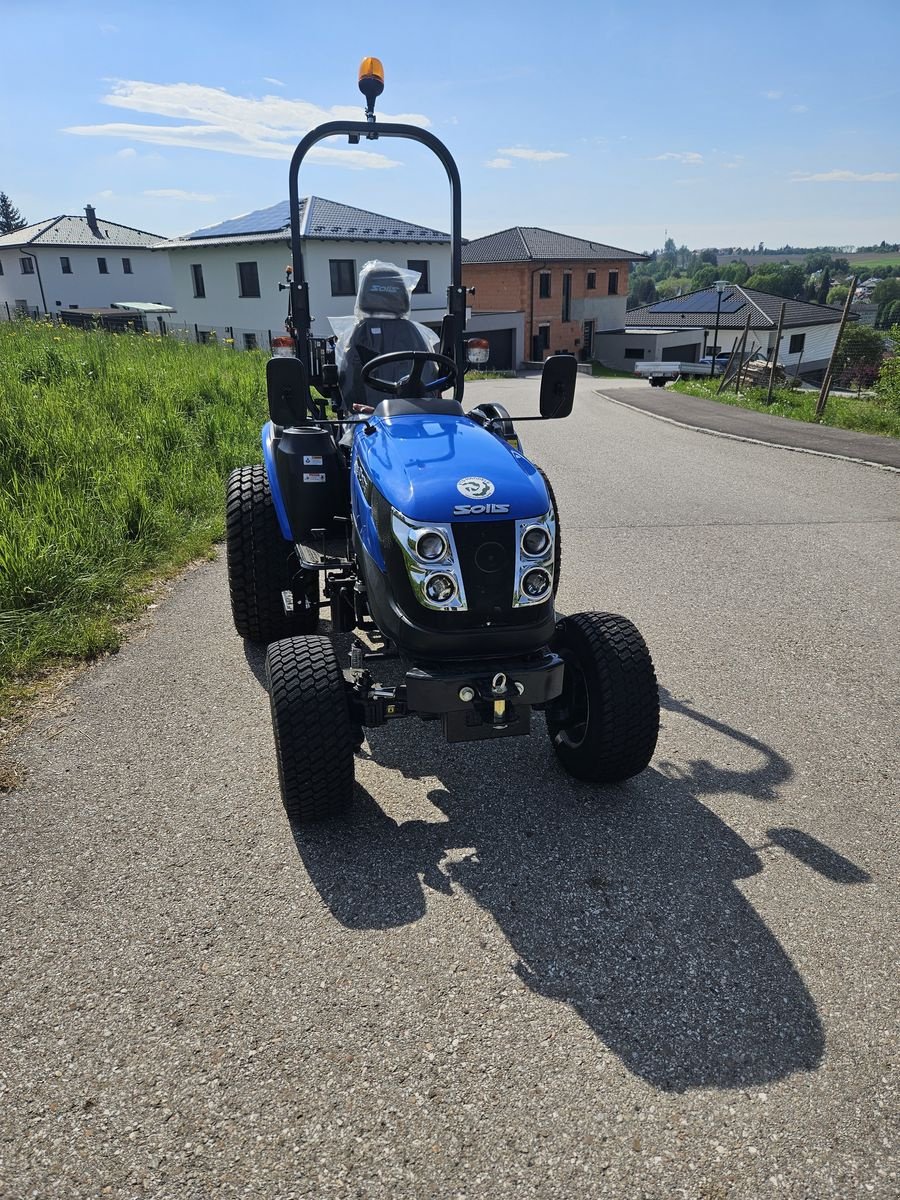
pixel 887 386
pixel 838 294
pixel 788 281
pixel 859 356
pixel 841 266
pixel 643 291
pixel 704 277
pixel 736 272
pixel 10 217
pixel 709 256
pixel 824 285
pixel 818 262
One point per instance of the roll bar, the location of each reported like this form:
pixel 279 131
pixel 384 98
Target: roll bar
pixel 300 317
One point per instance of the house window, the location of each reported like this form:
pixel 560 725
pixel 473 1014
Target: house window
pixel 126 266
pixel 26 266
pixel 634 352
pixel 102 267
pixel 1 268
pixel 567 296
pixel 613 287
pixel 544 285
pixel 591 280
pixel 420 265
pixel 343 276
pixel 204 336
pixel 197 280
pixel 66 264
pixel 249 341
pixel 798 341
pixel 248 280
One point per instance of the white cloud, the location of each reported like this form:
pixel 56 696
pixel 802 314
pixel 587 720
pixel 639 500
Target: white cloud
pixel 532 155
pixel 106 194
pixel 126 152
pixel 847 177
pixel 267 127
pixel 274 82
pixel 690 158
pixel 500 164
pixel 772 95
pixel 178 194
pixel 799 108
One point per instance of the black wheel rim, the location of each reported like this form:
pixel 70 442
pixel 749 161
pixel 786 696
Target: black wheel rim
pixel 576 706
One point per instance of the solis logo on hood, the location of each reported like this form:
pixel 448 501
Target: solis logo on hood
pixel 475 487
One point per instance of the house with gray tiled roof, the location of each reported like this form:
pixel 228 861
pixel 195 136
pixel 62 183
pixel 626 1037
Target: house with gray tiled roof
pixel 683 329
pixel 567 288
pixel 226 276
pixel 79 262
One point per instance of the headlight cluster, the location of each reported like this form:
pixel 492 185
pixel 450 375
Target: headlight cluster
pixel 534 560
pixel 431 561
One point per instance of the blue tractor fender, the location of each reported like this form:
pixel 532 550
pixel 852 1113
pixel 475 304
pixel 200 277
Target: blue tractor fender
pixel 268 449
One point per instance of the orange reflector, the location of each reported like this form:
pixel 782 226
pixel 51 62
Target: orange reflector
pixel 371 68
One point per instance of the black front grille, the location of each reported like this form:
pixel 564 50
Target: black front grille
pixel 487 555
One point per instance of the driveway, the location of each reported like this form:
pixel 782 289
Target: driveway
pixel 490 981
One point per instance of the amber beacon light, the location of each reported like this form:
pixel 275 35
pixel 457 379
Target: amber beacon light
pixel 371 80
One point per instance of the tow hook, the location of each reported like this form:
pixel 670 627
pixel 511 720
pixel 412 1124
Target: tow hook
pixel 499 691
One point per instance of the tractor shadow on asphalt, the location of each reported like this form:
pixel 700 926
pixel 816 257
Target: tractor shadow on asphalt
pixel 619 902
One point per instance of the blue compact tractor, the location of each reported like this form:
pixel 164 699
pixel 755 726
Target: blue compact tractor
pixel 425 528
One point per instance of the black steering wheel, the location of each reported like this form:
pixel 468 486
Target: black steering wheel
pixel 410 387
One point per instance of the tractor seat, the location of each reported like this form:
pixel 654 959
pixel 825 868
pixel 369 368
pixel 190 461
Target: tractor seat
pixel 383 327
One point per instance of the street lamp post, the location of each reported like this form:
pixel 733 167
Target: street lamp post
pixel 720 285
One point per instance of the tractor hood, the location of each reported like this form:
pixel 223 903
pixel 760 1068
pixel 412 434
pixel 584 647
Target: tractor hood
pixel 448 468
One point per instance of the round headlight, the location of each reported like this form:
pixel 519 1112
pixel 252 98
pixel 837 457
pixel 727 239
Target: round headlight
pixel 535 540
pixel 440 588
pixel 430 545
pixel 536 583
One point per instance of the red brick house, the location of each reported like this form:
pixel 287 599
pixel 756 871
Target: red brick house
pixel 567 287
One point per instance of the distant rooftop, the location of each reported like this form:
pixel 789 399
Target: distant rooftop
pixel 529 243
pixel 321 219
pixel 79 231
pixel 698 308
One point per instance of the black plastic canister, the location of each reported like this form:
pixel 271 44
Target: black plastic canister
pixel 312 478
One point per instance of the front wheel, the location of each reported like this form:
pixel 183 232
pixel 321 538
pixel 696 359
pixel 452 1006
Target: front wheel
pixel 314 736
pixel 605 724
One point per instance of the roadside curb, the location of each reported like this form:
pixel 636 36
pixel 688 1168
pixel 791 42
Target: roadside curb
pixel 737 437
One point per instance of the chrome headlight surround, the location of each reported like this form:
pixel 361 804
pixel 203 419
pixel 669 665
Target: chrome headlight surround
pixel 407 534
pixel 528 562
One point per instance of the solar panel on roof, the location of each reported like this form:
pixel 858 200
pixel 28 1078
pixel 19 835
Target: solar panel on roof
pixel 703 302
pixel 264 220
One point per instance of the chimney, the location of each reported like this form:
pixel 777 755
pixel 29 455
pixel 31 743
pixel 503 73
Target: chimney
pixel 92 220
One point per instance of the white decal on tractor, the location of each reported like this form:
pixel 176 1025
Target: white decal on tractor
pixel 476 510
pixel 475 487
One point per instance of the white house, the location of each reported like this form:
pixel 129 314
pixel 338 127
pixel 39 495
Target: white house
pixel 79 262
pixel 684 329
pixel 226 277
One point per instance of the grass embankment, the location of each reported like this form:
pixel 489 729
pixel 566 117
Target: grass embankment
pixel 113 450
pixel 843 412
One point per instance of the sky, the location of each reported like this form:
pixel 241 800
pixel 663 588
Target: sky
pixel 621 122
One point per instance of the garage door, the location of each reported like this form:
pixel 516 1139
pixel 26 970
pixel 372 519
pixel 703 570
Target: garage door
pixel 686 353
pixel 501 343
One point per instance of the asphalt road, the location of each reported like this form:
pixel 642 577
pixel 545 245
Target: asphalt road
pixel 490 981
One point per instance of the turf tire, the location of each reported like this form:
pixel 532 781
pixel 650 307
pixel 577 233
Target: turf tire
pixel 605 725
pixel 314 737
pixel 261 564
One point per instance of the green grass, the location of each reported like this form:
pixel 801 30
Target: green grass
pixel 865 415
pixel 601 372
pixel 113 451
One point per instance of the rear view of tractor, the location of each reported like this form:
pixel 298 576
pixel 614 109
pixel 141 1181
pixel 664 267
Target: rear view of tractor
pixel 423 527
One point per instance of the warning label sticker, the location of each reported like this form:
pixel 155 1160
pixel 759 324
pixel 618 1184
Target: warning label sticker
pixel 312 460
pixel 314 477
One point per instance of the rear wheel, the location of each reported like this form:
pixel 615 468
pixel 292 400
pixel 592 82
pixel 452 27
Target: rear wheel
pixel 314 737
pixel 605 724
pixel 262 565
